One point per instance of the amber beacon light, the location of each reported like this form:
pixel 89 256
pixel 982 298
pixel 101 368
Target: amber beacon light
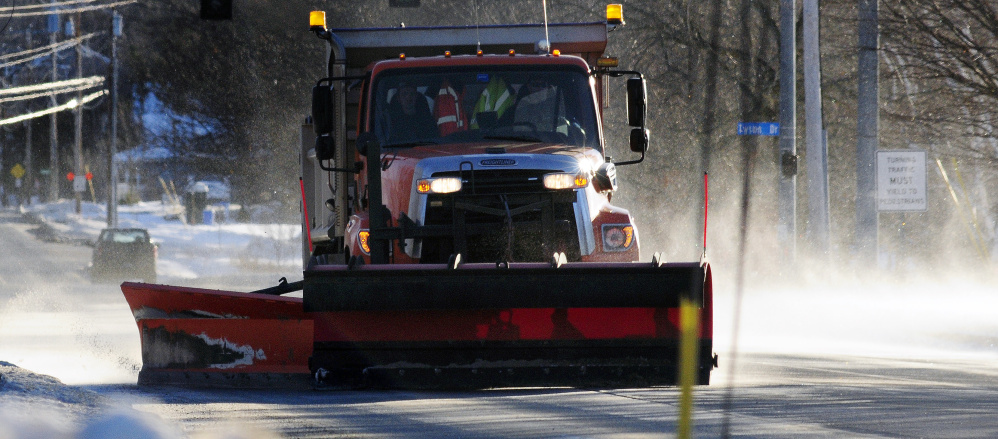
pixel 317 21
pixel 614 14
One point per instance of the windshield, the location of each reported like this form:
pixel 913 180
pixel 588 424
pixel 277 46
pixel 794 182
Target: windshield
pixel 502 103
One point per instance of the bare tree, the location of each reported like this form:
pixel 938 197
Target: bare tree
pixel 945 67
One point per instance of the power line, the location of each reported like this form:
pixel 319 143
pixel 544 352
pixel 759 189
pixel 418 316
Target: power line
pixel 73 103
pixel 48 93
pixel 44 51
pixel 50 46
pixel 91 80
pixel 9 17
pixel 72 10
pixel 50 5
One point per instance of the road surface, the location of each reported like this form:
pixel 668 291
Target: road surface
pixel 54 321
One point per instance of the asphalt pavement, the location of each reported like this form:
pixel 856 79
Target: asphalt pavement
pixel 53 320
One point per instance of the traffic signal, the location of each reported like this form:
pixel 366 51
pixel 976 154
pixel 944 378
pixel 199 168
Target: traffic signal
pixel 216 9
pixel 70 176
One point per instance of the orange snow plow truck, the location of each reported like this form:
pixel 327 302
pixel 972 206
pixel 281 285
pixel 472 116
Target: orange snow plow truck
pixel 458 230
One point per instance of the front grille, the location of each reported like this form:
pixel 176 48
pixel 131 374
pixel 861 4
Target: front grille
pixel 502 226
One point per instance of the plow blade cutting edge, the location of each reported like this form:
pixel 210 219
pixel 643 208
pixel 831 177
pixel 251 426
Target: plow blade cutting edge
pixel 516 324
pixel 216 338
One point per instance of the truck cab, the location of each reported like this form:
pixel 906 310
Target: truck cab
pixel 488 157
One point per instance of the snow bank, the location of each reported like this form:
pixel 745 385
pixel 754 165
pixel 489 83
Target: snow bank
pixel 34 406
pixel 185 251
pixel 39 406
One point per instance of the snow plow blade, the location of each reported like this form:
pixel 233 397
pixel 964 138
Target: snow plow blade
pixel 210 338
pixel 516 324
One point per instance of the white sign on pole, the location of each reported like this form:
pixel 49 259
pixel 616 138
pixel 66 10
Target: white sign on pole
pixel 79 183
pixel 901 180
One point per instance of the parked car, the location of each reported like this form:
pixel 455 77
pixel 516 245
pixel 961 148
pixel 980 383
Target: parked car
pixel 124 254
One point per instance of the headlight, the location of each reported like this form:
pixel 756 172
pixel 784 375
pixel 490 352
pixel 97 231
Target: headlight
pixel 564 180
pixel 443 185
pixel 617 237
pixel 364 238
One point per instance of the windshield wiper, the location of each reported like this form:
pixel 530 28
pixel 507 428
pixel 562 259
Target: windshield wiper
pixel 514 138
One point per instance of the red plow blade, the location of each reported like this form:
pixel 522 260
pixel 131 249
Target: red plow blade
pixel 202 337
pixel 522 324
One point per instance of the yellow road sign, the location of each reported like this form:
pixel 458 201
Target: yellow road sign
pixel 17 171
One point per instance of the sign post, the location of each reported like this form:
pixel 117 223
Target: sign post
pixel 901 181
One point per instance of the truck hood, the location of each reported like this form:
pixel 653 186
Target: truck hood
pixel 504 154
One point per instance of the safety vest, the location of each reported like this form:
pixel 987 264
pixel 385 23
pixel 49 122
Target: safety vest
pixel 447 111
pixel 496 97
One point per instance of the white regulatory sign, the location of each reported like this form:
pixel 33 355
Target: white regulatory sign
pixel 79 183
pixel 901 180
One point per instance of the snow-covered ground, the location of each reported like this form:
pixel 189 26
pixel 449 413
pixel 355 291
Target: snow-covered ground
pixel 34 405
pixel 186 251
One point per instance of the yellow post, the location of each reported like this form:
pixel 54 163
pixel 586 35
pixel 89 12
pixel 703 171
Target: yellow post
pixel 169 195
pixel 979 239
pixel 689 322
pixel 967 223
pixel 93 196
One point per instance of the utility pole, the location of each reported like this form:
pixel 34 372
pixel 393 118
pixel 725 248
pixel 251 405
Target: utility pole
pixel 711 66
pixel 868 127
pixel 817 176
pixel 787 231
pixel 53 196
pixel 29 176
pixel 112 186
pixel 78 171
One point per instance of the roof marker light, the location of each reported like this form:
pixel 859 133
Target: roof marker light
pixel 608 61
pixel 512 52
pixel 614 14
pixel 317 21
pixel 401 57
pixel 480 53
pixel 556 52
pixel 446 54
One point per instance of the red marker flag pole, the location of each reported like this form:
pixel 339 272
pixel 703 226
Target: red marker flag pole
pixel 705 198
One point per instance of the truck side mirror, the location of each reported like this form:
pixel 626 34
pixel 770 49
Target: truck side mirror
pixel 322 109
pixel 325 147
pixel 637 100
pixel 639 140
pixel 363 141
